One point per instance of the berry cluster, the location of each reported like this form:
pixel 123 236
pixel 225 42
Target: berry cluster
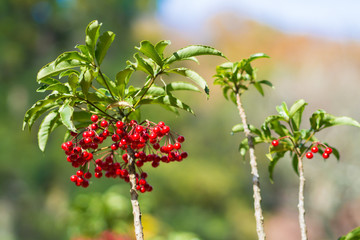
pixel 144 142
pixel 315 149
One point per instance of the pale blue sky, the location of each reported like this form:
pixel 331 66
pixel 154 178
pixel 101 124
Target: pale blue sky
pixel 337 20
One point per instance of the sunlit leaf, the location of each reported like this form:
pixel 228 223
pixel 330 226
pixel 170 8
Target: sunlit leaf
pixel 274 160
pixel 191 51
pixel 52 69
pixel 69 56
pixel 149 50
pixel 160 46
pixel 259 88
pixel 192 76
pixel 353 235
pixel 142 65
pixel 105 41
pixel 257 56
pixel 92 35
pixel 66 113
pixel 46 127
pixel 295 113
pixel 86 79
pixel 122 79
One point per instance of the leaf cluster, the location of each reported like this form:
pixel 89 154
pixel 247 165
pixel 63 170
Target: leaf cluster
pixel 293 140
pixel 78 87
pixel 236 77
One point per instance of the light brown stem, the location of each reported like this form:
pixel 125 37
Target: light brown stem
pixel 301 206
pixel 254 171
pixel 134 197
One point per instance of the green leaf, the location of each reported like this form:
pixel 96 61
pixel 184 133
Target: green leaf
pixel 240 128
pixel 149 50
pixel 143 65
pixel 192 76
pixel 73 55
pixel 46 128
pixel 160 47
pixel 274 160
pixel 283 111
pixel 86 79
pixel 295 163
pixel 103 45
pixel 168 100
pixel 106 82
pixel 81 116
pixel 73 80
pixel 122 79
pixel 39 108
pixel 353 235
pixel 60 87
pixel 295 113
pixel 266 82
pixel 178 86
pixel 320 120
pixel 257 56
pixel 191 51
pixel 51 69
pixel 49 81
pixel 92 35
pixel 259 88
pixel 66 113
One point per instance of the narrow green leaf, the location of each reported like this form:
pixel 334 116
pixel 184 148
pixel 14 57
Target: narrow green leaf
pixel 320 120
pixel 68 73
pixel 178 86
pixel 257 56
pixel 86 79
pixel 73 55
pixel 84 50
pixel 103 45
pixel 192 76
pixel 45 128
pixel 92 35
pixel 39 108
pixel 106 82
pixel 149 50
pixel 259 88
pixel 295 163
pixel 266 82
pixel 49 81
pixel 274 160
pixel 168 100
pixel 142 65
pixel 160 47
pixel 191 51
pixel 283 111
pixel 51 69
pixel 122 79
pixel 60 87
pixel 295 113
pixel 66 113
pixel 353 235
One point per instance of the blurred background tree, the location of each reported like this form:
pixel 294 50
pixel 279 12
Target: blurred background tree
pixel 209 195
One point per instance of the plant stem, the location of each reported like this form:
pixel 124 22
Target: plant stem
pixel 254 171
pixel 134 197
pixel 301 206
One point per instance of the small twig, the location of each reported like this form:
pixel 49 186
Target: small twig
pixel 301 205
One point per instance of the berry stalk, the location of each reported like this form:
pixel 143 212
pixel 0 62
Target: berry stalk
pixel 254 171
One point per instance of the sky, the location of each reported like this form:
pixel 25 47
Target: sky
pixel 336 20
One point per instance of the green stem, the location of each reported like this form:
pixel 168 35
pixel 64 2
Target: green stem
pixel 88 102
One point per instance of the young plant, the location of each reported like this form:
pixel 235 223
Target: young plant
pixel 234 79
pixel 299 143
pixel 106 133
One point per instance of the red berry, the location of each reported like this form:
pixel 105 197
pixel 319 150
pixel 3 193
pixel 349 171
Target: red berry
pixel 88 140
pixel 85 184
pixel 133 122
pixel 184 155
pixel 94 118
pixel 142 189
pixel 165 130
pixel 275 143
pixel 74 134
pixel 314 149
pixel 328 150
pixel 139 163
pixel 142 181
pixel 139 128
pixel 125 157
pixel 106 133
pixel 104 123
pixel 119 124
pixel 87 175
pixel 309 155
pixel 161 124
pixel 177 146
pixel 143 175
pixel 180 139
pixel 155 164
pixel 94 126
pixel 114 146
pixel 79 173
pixel 325 155
pixel 73 178
pixel 98 174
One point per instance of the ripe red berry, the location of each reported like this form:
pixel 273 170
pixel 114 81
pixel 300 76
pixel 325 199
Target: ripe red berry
pixel 74 134
pixel 142 189
pixel 94 126
pixel 98 174
pixel 275 143
pixel 142 181
pixel 328 150
pixel 94 118
pixel 139 128
pixel 119 124
pixel 177 145
pixel 79 173
pixel 165 130
pixel 309 155
pixel 314 149
pixel 73 178
pixel 104 123
pixel 180 139
pixel 143 175
pixel 325 155
pixel 155 164
pixel 161 124
pixel 133 122
pixel 114 146
pixel 184 155
pixel 87 175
